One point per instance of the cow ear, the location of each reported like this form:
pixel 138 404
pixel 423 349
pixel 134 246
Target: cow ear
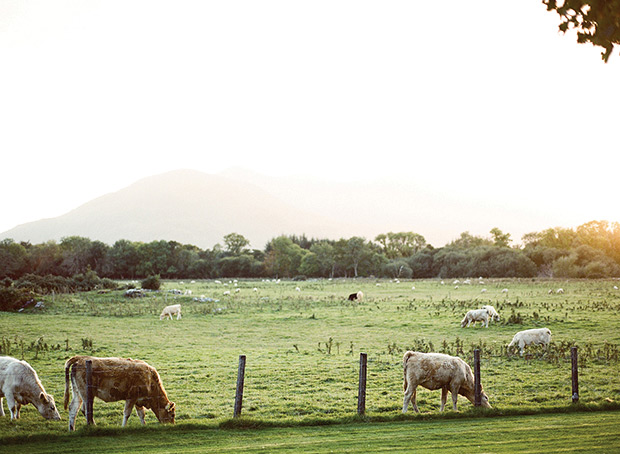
pixel 43 398
pixel 171 406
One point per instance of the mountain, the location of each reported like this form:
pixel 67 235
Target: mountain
pixel 194 207
pixel 187 206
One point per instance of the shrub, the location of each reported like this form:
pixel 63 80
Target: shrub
pixel 12 298
pixel 151 283
pixel 108 283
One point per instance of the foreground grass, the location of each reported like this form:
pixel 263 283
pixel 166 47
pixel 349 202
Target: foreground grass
pixel 572 432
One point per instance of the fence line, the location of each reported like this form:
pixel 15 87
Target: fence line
pixel 363 371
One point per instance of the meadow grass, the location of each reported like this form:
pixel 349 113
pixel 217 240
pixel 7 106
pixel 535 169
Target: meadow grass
pixel 302 347
pixel 578 432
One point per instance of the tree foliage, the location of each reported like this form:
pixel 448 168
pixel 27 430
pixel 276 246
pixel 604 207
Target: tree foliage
pixel 591 250
pixel 595 21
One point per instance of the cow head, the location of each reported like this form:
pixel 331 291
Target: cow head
pixel 166 414
pixel 47 407
pixel 484 400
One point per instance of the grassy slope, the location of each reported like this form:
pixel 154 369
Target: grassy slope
pixel 578 432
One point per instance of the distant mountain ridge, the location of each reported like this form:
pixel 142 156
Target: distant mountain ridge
pixel 187 206
pixel 198 208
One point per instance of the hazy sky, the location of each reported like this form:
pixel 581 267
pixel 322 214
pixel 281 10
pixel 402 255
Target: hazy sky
pixel 485 100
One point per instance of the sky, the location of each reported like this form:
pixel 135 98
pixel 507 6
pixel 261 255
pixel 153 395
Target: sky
pixel 484 101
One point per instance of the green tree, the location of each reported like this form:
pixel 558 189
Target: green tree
pixel 596 21
pixel 13 259
pixel 46 258
pixel 500 239
pixel 283 257
pixel 355 252
pixel 400 244
pixel 123 259
pixel 235 243
pixel 468 241
pixel 320 261
pixel 76 253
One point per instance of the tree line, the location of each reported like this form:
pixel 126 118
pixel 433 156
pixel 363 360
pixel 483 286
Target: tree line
pixel 591 250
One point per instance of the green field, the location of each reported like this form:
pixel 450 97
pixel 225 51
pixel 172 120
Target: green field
pixel 302 348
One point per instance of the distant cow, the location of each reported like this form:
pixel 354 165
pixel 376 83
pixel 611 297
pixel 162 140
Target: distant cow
pixel 356 296
pixel 115 379
pixel 20 384
pixel 476 315
pixel 438 371
pixel 492 312
pixel 536 336
pixel 169 311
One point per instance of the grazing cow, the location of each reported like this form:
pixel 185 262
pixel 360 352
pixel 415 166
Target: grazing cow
pixel 438 371
pixel 476 315
pixel 492 312
pixel 169 311
pixel 20 384
pixel 115 379
pixel 356 296
pixel 536 336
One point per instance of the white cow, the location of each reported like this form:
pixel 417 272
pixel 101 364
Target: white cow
pixel 536 336
pixel 438 371
pixel 169 311
pixel 20 384
pixel 492 312
pixel 476 315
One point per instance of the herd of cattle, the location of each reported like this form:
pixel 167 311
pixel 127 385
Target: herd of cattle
pixel 139 384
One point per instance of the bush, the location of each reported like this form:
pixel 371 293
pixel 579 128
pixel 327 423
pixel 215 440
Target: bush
pixel 12 298
pixel 108 283
pixel 151 283
pixel 86 282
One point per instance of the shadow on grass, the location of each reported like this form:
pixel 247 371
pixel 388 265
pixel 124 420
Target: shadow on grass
pixel 244 423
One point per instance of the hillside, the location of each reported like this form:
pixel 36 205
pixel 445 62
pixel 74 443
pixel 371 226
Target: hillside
pixel 187 206
pixel 197 208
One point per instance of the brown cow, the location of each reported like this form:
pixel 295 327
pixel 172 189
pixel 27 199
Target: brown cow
pixel 115 379
pixel 438 371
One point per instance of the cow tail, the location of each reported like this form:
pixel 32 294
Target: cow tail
pixel 405 358
pixel 70 362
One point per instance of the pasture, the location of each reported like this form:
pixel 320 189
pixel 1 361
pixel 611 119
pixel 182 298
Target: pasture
pixel 303 346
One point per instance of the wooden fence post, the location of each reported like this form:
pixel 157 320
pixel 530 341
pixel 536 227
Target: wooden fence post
pixel 239 393
pixel 574 367
pixel 477 385
pixel 89 392
pixel 361 395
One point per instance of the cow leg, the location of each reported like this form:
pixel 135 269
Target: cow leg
pixel 129 403
pixel 18 407
pixel 1 407
pixel 444 398
pixel 140 412
pixel 74 407
pixel 454 390
pixel 10 402
pixel 410 396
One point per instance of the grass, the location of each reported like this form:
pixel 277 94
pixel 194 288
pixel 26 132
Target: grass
pixel 581 432
pixel 302 348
